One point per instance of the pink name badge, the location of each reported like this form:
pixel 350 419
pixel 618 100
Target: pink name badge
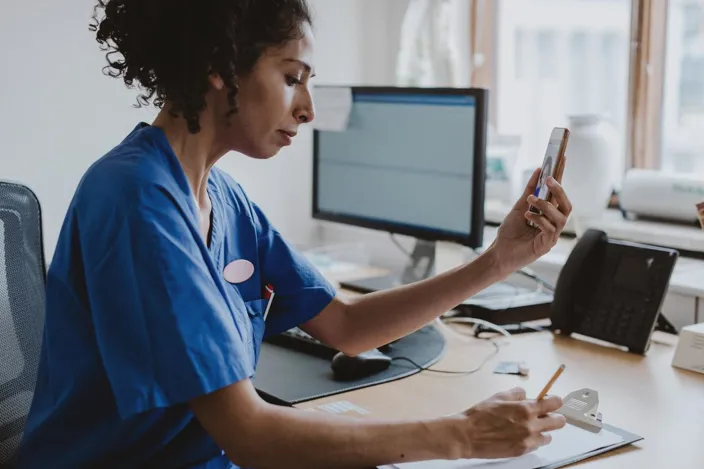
pixel 238 271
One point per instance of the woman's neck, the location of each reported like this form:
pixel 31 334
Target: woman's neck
pixel 197 153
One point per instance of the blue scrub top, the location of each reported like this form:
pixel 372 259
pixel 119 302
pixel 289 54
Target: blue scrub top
pixel 140 318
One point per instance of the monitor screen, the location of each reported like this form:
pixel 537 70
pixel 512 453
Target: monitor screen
pixel 408 162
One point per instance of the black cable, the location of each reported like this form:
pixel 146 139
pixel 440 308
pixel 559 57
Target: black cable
pixel 518 328
pixel 449 372
pixel 538 280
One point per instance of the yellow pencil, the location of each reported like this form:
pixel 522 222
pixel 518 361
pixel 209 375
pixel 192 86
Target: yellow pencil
pixel 551 382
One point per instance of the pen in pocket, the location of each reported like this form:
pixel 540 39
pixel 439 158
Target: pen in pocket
pixel 268 294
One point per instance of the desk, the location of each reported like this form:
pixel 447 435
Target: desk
pixel 641 394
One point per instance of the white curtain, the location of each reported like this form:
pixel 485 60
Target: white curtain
pixel 435 44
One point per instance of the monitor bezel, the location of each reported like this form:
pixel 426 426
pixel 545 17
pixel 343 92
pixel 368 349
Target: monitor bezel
pixel 477 223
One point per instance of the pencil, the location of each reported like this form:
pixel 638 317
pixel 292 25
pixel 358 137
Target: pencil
pixel 551 382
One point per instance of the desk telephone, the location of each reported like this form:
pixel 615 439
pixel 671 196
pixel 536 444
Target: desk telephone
pixel 612 290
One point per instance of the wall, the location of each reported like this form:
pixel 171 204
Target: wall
pixel 58 113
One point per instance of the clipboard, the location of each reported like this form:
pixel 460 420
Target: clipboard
pixel 628 439
pixel 580 409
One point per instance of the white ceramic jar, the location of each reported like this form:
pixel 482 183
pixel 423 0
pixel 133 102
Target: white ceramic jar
pixel 589 172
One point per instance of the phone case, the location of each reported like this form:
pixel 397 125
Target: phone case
pixel 559 170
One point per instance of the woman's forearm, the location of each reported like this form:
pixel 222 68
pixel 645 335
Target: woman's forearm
pixel 315 440
pixel 256 434
pixel 253 433
pixel 378 318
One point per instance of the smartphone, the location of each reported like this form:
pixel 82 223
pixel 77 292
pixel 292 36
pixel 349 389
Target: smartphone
pixel 553 164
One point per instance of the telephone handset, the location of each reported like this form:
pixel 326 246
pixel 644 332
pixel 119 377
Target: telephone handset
pixel 612 290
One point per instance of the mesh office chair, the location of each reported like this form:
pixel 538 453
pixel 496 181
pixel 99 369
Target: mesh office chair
pixel 22 296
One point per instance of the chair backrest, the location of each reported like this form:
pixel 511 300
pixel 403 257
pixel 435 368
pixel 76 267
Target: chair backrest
pixel 22 297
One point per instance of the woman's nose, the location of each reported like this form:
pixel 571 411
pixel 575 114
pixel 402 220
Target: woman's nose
pixel 305 115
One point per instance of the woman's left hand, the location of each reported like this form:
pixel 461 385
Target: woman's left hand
pixel 517 244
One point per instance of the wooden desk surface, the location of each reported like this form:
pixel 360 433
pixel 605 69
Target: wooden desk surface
pixel 641 394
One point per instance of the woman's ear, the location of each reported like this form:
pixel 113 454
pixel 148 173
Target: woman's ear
pixel 216 81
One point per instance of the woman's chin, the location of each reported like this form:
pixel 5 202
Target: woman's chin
pixel 264 154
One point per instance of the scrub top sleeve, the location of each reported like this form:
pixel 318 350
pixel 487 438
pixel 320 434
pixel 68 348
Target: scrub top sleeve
pixel 301 292
pixel 164 329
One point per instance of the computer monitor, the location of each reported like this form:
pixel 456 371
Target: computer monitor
pixel 410 161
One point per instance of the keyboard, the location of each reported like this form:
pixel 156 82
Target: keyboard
pixel 297 339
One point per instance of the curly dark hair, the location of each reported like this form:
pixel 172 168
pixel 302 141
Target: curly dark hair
pixel 170 47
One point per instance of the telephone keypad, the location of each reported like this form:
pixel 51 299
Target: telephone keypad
pixel 619 316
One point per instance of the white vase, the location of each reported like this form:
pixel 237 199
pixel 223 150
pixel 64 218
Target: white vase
pixel 589 171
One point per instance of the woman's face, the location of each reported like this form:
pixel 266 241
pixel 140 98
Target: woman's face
pixel 273 100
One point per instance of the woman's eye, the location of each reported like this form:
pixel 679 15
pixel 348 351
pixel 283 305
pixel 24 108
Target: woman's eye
pixel 292 81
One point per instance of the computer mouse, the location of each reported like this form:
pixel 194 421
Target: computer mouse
pixel 346 368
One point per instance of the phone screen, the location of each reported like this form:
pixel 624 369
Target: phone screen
pixel 550 163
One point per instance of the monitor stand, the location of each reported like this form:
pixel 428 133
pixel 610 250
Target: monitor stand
pixel 421 265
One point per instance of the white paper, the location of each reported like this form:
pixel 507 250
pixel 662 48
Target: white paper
pixel 567 443
pixel 332 108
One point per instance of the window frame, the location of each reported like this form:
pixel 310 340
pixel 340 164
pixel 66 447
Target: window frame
pixel 648 46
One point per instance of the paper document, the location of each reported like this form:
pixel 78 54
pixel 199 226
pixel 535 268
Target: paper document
pixel 332 108
pixel 567 443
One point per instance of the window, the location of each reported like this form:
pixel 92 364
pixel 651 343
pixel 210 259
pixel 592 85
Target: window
pixel 683 107
pixel 557 58
pixel 640 63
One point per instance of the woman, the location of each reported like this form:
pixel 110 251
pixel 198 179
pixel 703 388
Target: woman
pixel 155 293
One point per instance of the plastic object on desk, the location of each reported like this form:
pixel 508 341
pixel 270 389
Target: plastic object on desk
pixel 580 408
pixel 512 368
pixel 689 354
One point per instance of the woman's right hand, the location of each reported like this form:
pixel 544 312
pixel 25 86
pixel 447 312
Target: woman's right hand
pixel 506 425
